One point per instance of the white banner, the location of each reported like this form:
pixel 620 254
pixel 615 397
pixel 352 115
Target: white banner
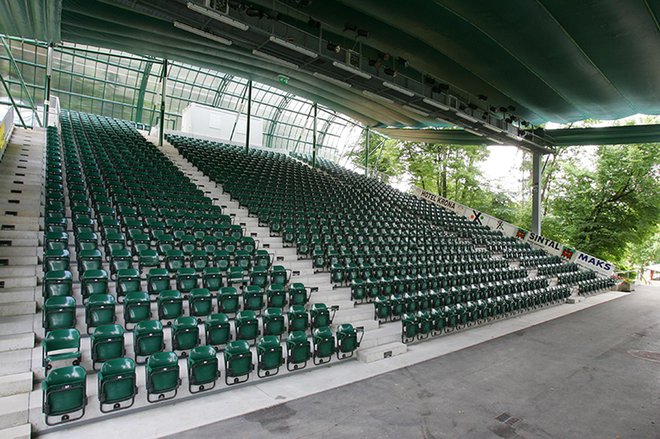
pixel 546 244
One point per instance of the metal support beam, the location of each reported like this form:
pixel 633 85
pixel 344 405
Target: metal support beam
pixel 314 137
pixel 139 106
pixel 20 78
pixel 49 74
pixel 163 80
pixel 13 102
pixel 366 153
pixel 249 114
pixel 238 115
pixel 536 192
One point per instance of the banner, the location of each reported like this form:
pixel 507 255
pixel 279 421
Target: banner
pixel 538 241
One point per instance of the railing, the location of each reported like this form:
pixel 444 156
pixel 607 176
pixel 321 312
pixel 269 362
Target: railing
pixel 582 259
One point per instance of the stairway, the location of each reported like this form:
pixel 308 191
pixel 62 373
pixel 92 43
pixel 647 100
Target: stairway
pixel 21 205
pixel 378 343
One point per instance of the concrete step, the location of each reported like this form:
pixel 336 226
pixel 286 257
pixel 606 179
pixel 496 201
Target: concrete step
pixel 15 252
pixel 18 282
pixel 19 223
pixel 9 295
pixel 23 431
pixel 14 410
pixel 387 333
pixel 18 260
pixel 16 361
pixel 10 325
pixel 17 308
pixel 381 352
pixel 15 384
pixel 18 271
pixel 20 234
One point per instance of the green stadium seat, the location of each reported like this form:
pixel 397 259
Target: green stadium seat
pixel 269 356
pixel 162 372
pixel 298 318
pixel 203 369
pixel 272 321
pixel 64 393
pixel 158 279
pixel 117 384
pixel 170 305
pixel 147 339
pixel 323 342
pixel 348 340
pixel 298 294
pixel 128 281
pixel 217 330
pixel 99 310
pixel 93 282
pixel 253 298
pixel 247 325
pixel 186 279
pixel 185 334
pixel 56 260
pixel 212 278
pixel 228 300
pixel 298 350
pixel 200 303
pixel 320 315
pixel 238 362
pixel 107 342
pixel 57 283
pixel 60 345
pixel 276 296
pixel 59 312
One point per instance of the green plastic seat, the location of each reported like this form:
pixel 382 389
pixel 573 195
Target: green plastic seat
pixel 320 315
pixel 162 372
pixel 238 362
pixel 253 298
pixel 185 334
pixel 323 342
pixel 174 260
pixel 60 345
pixel 247 325
pixel 59 312
pixel 236 275
pixel 269 356
pixel 128 281
pixel 212 278
pixel 117 383
pixel 158 279
pixel 148 258
pixel 186 279
pixel 64 393
pixel 107 342
pixel 217 330
pixel 203 369
pixel 120 260
pixel 56 260
pixel 259 276
pixel 382 308
pixel 262 259
pixel 57 283
pixel 228 300
pixel 298 294
pixel 170 305
pixel 137 307
pixel 348 340
pixel 93 282
pixel 410 327
pixel 298 350
pixel 276 296
pixel 57 241
pixel 272 321
pixel 89 260
pixel 298 318
pixel 279 275
pixel 147 339
pixel 99 310
pixel 200 303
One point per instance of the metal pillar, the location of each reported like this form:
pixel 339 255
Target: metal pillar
pixel 13 102
pixel 163 79
pixel 366 154
pixel 249 114
pixel 314 138
pixel 22 81
pixel 49 74
pixel 536 192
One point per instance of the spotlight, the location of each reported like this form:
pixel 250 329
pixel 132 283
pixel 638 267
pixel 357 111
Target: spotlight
pixel 502 109
pixel 404 62
pixel 363 33
pixel 525 123
pixel 372 62
pixel 512 108
pixel 429 80
pixel 493 109
pixel 483 97
pixel 443 87
pixel 351 27
pixel 389 71
pixel 254 12
pixel 472 106
pixel 333 47
pixel 314 23
pixel 508 120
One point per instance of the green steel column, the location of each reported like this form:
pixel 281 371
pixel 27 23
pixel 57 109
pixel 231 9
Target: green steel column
pixel 143 88
pixel 49 74
pixel 11 99
pixel 20 78
pixel 536 192
pixel 163 78
pixel 249 114
pixel 366 154
pixel 314 138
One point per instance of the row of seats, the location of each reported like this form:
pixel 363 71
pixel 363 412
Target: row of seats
pixel 64 389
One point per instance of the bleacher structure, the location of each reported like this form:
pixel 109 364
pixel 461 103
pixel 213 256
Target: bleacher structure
pixel 168 273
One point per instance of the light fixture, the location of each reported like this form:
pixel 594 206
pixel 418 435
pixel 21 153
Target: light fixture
pixel 416 110
pixel 467 117
pixel 472 132
pixel 201 33
pixel 332 80
pixel 495 140
pixel 217 16
pixel 369 94
pixel 436 104
pixel 351 69
pixel 293 47
pixel 275 59
pixel 444 121
pixel 493 128
pixel 513 136
pixel 399 89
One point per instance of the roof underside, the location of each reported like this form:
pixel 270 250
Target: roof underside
pixel 552 61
